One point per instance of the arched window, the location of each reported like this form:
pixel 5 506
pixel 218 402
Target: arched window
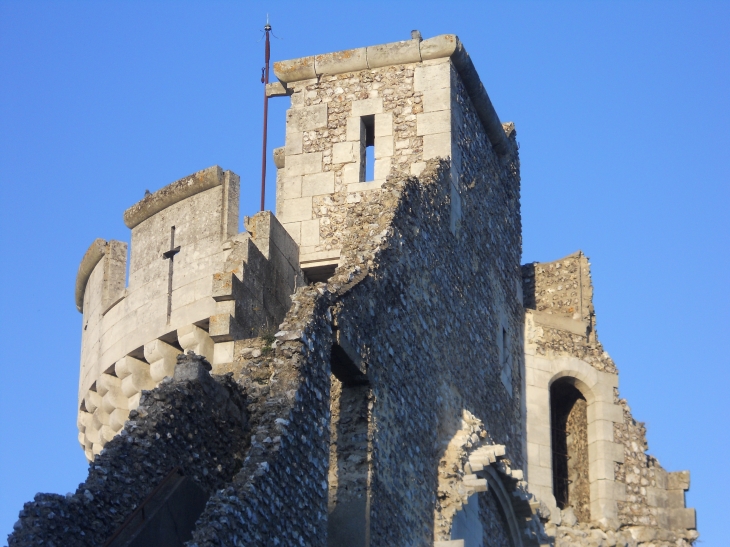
pixel 569 442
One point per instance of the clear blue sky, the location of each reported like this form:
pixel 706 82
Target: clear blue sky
pixel 622 115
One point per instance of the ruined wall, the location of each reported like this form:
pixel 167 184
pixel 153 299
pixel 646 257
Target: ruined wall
pixel 654 497
pixel 200 426
pixel 383 301
pixel 631 498
pixel 280 495
pixel 429 349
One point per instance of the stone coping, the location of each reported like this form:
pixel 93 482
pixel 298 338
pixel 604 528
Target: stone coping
pixel 404 52
pixel 576 326
pixel 173 193
pixel 93 255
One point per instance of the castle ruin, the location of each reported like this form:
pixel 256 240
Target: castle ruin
pixel 370 366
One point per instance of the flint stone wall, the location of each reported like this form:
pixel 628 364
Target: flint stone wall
pixel 383 299
pixel 650 510
pixel 430 350
pixel 199 425
pixel 279 497
pixel 563 289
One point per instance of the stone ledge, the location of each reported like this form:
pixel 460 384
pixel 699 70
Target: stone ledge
pixel 320 258
pixel 365 186
pixel 173 193
pixel 559 322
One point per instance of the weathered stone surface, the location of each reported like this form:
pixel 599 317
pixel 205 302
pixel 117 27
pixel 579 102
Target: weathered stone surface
pixel 196 423
pixel 395 394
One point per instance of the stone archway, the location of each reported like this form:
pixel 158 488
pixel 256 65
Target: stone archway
pixel 472 465
pixel 601 412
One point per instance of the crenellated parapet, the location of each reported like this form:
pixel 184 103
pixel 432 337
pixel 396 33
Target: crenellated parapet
pixel 195 283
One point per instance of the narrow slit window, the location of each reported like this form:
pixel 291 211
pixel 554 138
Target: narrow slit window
pixel 368 160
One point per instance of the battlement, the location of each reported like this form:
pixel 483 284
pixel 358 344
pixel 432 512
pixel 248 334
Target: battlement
pixel 194 283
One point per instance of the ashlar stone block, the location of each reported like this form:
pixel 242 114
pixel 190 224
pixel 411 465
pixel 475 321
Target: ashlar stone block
pixel 224 327
pixel 605 411
pixel 685 519
pixel 437 99
pixel 431 77
pixel 600 430
pixel 601 469
pixel 431 123
pixel 117 418
pixel 352 173
pixel 310 232
pixel 307 118
pixel 383 147
pixel 383 125
pixel 293 210
pixel 367 107
pixel 605 450
pixel 193 338
pixel 162 358
pixel 355 131
pixel 294 230
pixel 607 489
pixel 678 480
pixel 656 497
pixel 318 184
pixel 223 353
pixel 345 152
pixel 303 164
pixel 382 168
pixel 436 146
pixel 293 143
pixel 135 375
pixel 290 187
pixel 540 476
pixel 675 498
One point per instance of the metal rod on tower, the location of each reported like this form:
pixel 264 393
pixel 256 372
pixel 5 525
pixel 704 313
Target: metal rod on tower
pixel 265 80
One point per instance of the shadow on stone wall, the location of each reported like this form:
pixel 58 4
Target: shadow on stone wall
pixel 193 422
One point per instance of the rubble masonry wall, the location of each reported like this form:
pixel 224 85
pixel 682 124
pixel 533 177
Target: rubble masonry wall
pixel 200 427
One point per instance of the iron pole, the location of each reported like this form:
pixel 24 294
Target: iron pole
pixel 265 80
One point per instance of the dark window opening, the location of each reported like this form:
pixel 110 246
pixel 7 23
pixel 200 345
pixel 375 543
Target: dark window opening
pixel 569 438
pixel 319 274
pixel 369 148
pixel 348 505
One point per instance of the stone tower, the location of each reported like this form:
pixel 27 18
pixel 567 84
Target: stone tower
pixel 371 366
pixel 410 101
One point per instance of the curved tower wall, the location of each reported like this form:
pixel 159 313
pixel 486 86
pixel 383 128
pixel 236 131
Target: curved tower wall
pixel 195 283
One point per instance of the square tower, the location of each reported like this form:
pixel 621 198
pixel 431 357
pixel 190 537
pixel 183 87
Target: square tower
pixel 361 116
